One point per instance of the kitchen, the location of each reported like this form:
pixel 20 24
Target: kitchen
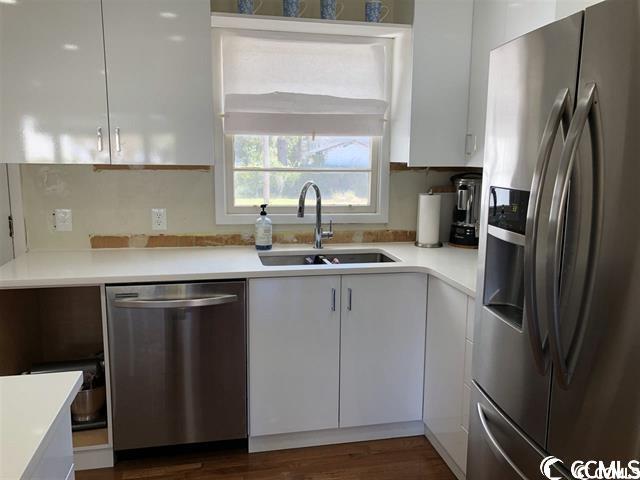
pixel 255 239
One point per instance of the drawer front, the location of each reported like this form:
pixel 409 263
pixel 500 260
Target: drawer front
pixel 497 449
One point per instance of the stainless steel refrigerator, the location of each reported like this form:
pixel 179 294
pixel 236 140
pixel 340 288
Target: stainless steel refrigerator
pixel 557 344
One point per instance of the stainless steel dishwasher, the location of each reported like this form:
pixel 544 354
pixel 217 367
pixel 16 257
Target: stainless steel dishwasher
pixel 178 363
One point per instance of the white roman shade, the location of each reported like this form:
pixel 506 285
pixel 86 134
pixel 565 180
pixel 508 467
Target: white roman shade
pixel 299 84
pixel 302 114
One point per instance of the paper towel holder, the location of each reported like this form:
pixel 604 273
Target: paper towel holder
pixel 422 244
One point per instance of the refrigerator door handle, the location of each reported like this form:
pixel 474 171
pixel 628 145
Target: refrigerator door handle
pixel 560 115
pixel 587 110
pixel 495 446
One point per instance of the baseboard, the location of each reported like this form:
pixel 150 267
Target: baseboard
pixel 93 458
pixel 453 466
pixel 332 436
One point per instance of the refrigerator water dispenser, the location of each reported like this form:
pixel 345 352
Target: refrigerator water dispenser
pixel 504 280
pixel 504 272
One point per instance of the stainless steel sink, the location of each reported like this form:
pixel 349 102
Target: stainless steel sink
pixel 327 258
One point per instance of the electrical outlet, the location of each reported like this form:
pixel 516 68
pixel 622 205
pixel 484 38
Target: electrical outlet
pixel 158 218
pixel 62 220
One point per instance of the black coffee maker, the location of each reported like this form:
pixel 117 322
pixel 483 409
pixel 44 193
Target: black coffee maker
pixel 466 213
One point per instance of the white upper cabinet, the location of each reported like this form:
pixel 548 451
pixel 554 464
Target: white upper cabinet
pixel 159 72
pixel 496 22
pixel 6 242
pixel 382 348
pixel 53 100
pixel 440 92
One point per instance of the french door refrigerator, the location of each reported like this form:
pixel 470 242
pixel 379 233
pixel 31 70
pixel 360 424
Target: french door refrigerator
pixel 557 344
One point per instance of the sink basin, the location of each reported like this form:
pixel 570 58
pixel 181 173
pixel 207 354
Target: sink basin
pixel 327 258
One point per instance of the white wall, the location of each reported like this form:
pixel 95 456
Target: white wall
pixel 116 202
pixel 564 8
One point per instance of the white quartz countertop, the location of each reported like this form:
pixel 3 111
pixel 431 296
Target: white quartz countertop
pixel 455 266
pixel 29 405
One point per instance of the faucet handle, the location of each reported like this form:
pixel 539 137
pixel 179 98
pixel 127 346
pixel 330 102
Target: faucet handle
pixel 328 234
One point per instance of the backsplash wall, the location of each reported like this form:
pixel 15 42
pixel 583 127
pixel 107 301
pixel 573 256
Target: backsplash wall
pixel 119 202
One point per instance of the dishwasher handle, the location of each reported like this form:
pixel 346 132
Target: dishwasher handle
pixel 195 302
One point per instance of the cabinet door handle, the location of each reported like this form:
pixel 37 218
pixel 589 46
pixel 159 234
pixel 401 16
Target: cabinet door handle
pixel 118 145
pixel 470 144
pixel 349 298
pixel 333 299
pixel 99 135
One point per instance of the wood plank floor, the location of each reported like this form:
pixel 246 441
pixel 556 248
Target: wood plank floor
pixel 403 458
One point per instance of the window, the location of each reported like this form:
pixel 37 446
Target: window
pixel 272 169
pixel 299 107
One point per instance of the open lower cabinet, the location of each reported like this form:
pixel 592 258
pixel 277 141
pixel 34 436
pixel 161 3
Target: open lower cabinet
pixel 56 329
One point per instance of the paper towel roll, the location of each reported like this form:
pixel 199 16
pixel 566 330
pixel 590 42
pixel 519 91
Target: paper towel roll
pixel 428 230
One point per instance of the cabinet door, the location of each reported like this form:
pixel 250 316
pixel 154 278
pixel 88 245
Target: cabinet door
pixel 441 55
pixel 159 70
pixel 445 368
pixel 495 22
pixel 489 22
pixel 468 363
pixel 53 99
pixel 382 348
pixel 6 242
pixel 56 461
pixel 294 356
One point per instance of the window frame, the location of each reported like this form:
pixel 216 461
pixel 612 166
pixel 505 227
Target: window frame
pixel 228 214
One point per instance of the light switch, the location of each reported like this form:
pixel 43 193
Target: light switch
pixel 62 220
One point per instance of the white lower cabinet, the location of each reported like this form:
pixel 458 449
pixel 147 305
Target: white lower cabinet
pixel 447 380
pixel 294 354
pixel 382 348
pixel 348 352
pixel 57 459
pixel 307 373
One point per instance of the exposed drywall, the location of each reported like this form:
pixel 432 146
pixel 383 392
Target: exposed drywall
pixel 119 203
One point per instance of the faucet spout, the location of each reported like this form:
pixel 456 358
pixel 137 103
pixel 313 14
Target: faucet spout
pixel 318 233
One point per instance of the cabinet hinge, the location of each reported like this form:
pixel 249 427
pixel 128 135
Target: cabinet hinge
pixel 10 226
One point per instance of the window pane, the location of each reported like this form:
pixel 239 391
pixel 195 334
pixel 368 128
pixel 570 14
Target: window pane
pixel 335 153
pixel 280 189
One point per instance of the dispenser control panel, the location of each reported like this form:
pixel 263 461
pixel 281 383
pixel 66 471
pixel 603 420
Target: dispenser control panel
pixel 508 209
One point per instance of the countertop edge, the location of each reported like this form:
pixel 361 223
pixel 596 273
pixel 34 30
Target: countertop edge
pixel 249 270
pixel 144 278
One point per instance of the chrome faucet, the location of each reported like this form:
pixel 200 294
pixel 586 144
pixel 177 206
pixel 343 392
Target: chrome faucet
pixel 318 233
